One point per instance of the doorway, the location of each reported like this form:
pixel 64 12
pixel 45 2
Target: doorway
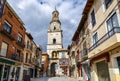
pixel 17 74
pixel 102 71
pixel 6 73
pixel 31 73
pixel 53 69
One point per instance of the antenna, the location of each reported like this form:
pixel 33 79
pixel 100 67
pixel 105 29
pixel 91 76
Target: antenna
pixel 55 7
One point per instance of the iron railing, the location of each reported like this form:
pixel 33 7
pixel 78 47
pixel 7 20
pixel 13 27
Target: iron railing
pixel 15 57
pixel 11 35
pixel 110 33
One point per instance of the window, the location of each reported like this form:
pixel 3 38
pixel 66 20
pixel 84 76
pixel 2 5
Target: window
pixel 4 48
pixel 118 61
pixel 37 53
pixel 54 28
pixel 31 47
pixel 26 57
pixel 43 60
pixel 27 44
pixel 7 27
pixel 19 38
pixel 30 60
pixel 63 55
pixel 95 38
pixel 93 20
pixel 77 56
pixel 54 41
pixel 18 54
pixel 77 39
pixel 107 3
pixel 83 31
pixel 112 22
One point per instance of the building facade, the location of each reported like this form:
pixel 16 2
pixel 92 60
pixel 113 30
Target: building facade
pixel 105 31
pixel 98 32
pixel 12 36
pixel 29 56
pixel 38 61
pixel 45 64
pixel 32 57
pixel 19 54
pixel 72 61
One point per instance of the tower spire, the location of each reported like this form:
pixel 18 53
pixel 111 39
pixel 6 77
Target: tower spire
pixel 55 16
pixel 55 8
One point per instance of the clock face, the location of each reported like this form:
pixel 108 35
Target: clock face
pixel 54 23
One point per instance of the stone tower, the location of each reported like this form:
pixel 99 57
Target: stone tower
pixel 54 34
pixel 54 43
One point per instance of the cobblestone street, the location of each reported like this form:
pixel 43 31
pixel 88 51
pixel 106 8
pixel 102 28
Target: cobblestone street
pixel 54 79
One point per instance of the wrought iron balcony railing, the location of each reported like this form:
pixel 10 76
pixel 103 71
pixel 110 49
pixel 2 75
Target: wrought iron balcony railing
pixel 11 34
pixel 110 33
pixel 15 57
pixel 20 44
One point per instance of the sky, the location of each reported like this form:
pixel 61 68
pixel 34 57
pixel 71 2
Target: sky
pixel 37 14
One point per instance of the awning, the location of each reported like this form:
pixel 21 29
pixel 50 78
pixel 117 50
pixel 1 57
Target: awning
pixel 7 61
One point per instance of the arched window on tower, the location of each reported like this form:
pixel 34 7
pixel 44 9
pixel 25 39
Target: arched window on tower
pixel 54 41
pixel 55 15
pixel 54 28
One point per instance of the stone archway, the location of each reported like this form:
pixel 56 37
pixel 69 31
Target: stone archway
pixel 53 69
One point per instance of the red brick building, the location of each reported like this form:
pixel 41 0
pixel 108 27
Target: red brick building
pixel 12 35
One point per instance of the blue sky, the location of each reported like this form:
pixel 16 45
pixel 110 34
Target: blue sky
pixel 37 14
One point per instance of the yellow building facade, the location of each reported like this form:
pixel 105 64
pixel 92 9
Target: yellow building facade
pixel 104 24
pixel 100 24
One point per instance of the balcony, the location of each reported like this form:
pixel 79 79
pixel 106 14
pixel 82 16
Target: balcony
pixel 84 54
pixel 10 35
pixel 109 41
pixel 21 44
pixel 28 47
pixel 32 60
pixel 15 57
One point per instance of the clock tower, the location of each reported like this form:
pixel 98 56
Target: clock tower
pixel 54 34
pixel 54 43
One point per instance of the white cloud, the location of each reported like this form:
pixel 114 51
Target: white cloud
pixel 36 14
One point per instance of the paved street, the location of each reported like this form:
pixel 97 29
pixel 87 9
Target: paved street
pixel 54 79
